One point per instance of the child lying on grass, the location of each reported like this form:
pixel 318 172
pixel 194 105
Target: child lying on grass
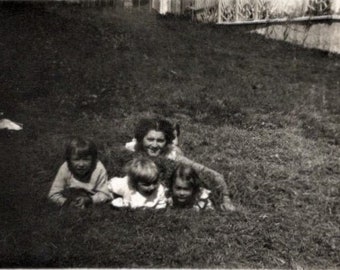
pixel 82 178
pixel 140 188
pixel 185 190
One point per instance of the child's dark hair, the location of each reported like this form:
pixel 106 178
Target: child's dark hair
pixel 81 147
pixel 141 169
pixel 188 174
pixel 145 125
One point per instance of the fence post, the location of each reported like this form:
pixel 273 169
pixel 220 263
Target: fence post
pixel 236 10
pixel 219 19
pixel 256 15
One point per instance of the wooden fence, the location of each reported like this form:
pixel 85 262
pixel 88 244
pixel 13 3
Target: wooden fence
pixel 251 11
pixel 275 11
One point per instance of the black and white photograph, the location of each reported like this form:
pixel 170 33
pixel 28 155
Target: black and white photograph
pixel 170 134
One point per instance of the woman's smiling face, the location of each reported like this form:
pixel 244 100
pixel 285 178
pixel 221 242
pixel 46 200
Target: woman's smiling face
pixel 154 143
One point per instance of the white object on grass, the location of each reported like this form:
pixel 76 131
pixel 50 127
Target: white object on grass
pixel 8 124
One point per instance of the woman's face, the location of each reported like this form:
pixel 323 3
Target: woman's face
pixel 154 143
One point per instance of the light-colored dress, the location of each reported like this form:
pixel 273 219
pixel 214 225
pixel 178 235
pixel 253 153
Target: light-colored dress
pixel 96 185
pixel 202 201
pixel 129 197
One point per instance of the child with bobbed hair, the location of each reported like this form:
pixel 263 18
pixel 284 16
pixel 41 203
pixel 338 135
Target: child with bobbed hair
pixel 82 178
pixel 140 188
pixel 185 190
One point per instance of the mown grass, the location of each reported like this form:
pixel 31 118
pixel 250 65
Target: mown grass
pixel 264 113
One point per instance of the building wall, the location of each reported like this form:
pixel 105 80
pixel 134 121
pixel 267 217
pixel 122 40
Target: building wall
pixel 179 6
pixel 335 6
pixel 323 36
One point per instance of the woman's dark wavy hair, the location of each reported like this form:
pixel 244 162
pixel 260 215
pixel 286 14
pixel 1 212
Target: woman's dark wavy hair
pixel 81 147
pixel 188 174
pixel 145 125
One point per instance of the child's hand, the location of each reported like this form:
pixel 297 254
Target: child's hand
pixel 81 202
pixel 77 197
pixel 227 205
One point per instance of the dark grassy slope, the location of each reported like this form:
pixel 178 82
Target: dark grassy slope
pixel 264 113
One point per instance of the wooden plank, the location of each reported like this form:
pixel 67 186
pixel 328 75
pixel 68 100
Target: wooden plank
pixel 285 20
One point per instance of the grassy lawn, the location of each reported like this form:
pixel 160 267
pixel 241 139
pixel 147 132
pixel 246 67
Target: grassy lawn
pixel 264 113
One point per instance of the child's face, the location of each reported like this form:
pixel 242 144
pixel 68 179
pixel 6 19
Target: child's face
pixel 147 188
pixel 81 165
pixel 182 191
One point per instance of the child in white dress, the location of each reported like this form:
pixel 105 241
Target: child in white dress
pixel 140 188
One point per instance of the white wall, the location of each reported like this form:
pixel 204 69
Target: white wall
pixel 335 6
pixel 164 6
pixel 322 36
pixel 290 8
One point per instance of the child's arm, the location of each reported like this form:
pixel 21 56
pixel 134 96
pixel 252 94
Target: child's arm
pixel 217 178
pixel 58 186
pixel 162 201
pixel 118 186
pixel 102 193
pixel 203 201
pixel 161 204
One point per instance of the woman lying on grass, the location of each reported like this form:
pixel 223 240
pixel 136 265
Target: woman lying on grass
pixel 185 190
pixel 82 178
pixel 154 138
pixel 140 188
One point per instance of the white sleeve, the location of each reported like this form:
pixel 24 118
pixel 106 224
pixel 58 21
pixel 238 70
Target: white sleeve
pixel 118 185
pixel 131 145
pixel 119 202
pixel 102 193
pixel 162 201
pixel 58 186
